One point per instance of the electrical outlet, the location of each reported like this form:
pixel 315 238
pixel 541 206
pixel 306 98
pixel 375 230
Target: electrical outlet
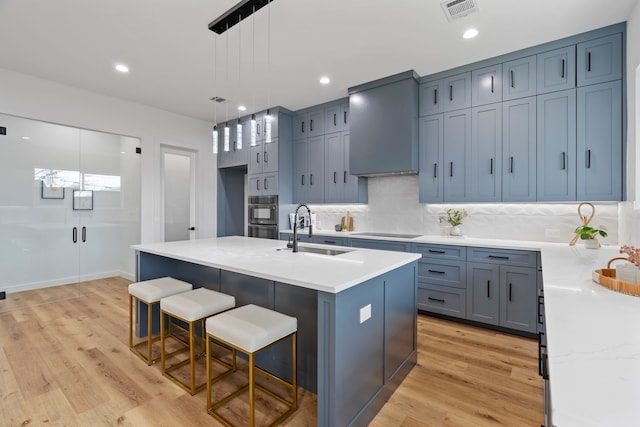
pixel 365 313
pixel 3 295
pixel 3 130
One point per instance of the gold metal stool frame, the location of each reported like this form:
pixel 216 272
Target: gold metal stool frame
pixel 293 385
pixel 150 339
pixel 190 346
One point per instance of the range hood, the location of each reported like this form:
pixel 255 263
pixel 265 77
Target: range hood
pixel 383 123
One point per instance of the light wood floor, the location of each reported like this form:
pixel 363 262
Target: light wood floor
pixel 65 361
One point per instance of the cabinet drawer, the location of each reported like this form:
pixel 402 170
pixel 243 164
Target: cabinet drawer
pixel 327 240
pixel 442 251
pixel 442 300
pixel 437 272
pixel 384 245
pixel 503 256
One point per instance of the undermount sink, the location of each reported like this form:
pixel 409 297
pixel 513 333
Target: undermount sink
pixel 391 235
pixel 321 251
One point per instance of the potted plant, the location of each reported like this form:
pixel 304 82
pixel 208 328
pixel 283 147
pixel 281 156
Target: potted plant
pixel 589 235
pixel 454 217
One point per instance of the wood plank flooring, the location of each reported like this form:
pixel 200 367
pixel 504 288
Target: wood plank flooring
pixel 65 361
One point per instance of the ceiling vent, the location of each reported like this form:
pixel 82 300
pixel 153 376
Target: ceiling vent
pixel 454 9
pixel 220 100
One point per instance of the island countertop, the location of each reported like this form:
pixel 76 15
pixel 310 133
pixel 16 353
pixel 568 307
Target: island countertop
pixel 269 259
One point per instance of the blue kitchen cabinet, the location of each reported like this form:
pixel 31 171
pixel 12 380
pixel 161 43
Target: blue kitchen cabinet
pixel 486 153
pixel 483 293
pixel 233 154
pixel 300 126
pixel 556 70
pixel 431 149
pixel 599 60
pixel 336 118
pixel 308 170
pixel 519 150
pixel 308 123
pixel 519 78
pixel 457 156
pixel 599 147
pixel 556 148
pixel 264 184
pixel 330 240
pixel 518 293
pixel 340 185
pixel 300 183
pixel 486 85
pixel 384 245
pixel 431 98
pixel 456 92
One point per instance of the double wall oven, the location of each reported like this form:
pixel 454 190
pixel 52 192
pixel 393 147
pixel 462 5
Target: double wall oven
pixel 262 217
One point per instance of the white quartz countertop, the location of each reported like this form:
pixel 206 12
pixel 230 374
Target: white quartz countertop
pixel 593 338
pixel 269 259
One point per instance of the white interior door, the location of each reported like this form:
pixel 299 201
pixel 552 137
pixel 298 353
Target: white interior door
pixel 178 194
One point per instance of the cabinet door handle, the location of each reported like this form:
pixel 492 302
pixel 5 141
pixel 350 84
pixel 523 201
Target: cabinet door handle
pixel 491 166
pixel 451 169
pixel 335 123
pixel 258 157
pixel 436 300
pixel 564 160
pixel 302 127
pixel 310 179
pixel 266 184
pixel 258 128
pixel 562 69
pixel 488 288
pixel 435 170
pixel 311 125
pixel 511 164
pixel 84 234
pixel 510 286
pixel 335 181
pixel 344 177
pixel 265 157
pixel 450 92
pixel 329 242
pixel 511 78
pixel 345 117
pixel 433 251
pixel 498 257
pixel 258 184
pixel 435 96
pixel 589 62
pixel 491 84
pixel 302 179
pixel 436 271
pixel 74 234
pixel 588 159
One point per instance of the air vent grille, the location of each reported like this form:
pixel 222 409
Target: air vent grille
pixel 458 8
pixel 219 100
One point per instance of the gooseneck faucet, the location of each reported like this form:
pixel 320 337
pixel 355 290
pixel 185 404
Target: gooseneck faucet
pixel 295 224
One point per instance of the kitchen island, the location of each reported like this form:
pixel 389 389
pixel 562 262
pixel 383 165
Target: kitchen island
pixel 356 311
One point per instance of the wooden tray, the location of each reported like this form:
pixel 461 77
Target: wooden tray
pixel 607 278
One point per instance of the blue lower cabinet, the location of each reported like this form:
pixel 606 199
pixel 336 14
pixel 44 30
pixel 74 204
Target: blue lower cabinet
pixel 329 240
pixel 445 300
pixel 385 245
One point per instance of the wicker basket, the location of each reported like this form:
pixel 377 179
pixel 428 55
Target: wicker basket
pixel 607 278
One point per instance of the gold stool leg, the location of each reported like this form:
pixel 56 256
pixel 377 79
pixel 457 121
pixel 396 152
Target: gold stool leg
pixel 294 359
pixel 130 321
pixel 252 409
pixel 149 333
pixel 162 337
pixel 208 353
pixel 192 356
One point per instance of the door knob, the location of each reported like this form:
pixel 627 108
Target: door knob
pixel 191 228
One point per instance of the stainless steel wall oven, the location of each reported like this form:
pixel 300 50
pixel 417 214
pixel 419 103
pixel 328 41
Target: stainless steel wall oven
pixel 263 217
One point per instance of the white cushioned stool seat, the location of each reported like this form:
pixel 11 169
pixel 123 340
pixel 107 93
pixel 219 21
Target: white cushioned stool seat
pixel 196 304
pixel 191 307
pixel 251 327
pixel 156 289
pixel 151 292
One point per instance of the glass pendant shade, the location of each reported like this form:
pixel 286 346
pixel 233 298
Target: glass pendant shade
pixel 215 140
pixel 226 137
pixel 267 127
pixel 239 136
pixel 254 134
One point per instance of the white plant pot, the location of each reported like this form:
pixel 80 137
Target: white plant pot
pixel 592 244
pixel 455 231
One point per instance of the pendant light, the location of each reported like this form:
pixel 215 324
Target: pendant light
pixel 254 131
pixel 226 123
pixel 253 123
pixel 239 125
pixel 215 139
pixel 226 137
pixel 215 106
pixel 267 118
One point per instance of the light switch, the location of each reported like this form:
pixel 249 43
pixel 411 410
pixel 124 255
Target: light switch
pixel 365 313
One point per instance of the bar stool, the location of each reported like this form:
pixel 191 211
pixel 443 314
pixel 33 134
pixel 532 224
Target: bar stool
pixel 192 308
pixel 151 292
pixel 251 329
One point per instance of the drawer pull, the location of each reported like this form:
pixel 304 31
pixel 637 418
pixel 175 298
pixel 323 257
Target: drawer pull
pixel 436 271
pixel 498 257
pixel 433 251
pixel 488 288
pixel 436 300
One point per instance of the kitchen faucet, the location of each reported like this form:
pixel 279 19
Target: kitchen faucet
pixel 295 223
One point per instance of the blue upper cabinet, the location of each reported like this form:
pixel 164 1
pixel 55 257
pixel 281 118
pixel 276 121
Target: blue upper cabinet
pixel 456 92
pixel 519 78
pixel 430 98
pixel 486 153
pixel 600 60
pixel 556 159
pixel 556 70
pixel 457 156
pixel 486 85
pixel 519 150
pixel 431 158
pixel 316 123
pixel 599 148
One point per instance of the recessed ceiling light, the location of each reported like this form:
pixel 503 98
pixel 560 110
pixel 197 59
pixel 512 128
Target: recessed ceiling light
pixel 325 80
pixel 122 68
pixel 242 108
pixel 26 137
pixel 470 33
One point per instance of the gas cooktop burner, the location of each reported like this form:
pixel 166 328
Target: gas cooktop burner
pixel 400 236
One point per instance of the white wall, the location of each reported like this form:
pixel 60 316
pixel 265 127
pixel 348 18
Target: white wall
pixel 30 97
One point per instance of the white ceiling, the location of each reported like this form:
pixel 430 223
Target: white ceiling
pixel 171 52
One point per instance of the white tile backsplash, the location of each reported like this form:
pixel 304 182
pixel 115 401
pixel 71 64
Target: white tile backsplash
pixel 394 208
